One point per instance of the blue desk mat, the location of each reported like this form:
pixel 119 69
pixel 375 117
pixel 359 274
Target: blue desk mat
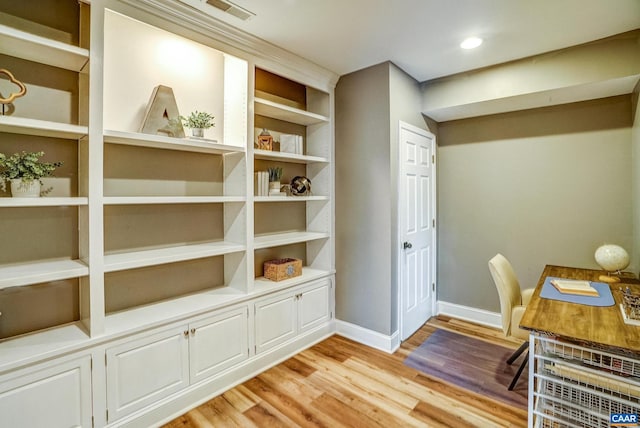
pixel 605 299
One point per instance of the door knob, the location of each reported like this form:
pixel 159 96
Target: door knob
pixel 406 245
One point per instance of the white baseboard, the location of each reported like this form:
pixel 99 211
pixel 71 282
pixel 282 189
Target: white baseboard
pixel 368 337
pixel 479 316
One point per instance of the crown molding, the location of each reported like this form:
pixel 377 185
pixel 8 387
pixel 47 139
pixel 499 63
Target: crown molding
pixel 189 13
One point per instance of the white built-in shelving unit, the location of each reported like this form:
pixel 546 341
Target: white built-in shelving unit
pixel 307 114
pixel 151 247
pixel 42 237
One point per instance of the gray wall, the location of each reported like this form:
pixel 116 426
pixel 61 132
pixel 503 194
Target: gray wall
pixel 540 186
pixel 369 104
pixel 363 214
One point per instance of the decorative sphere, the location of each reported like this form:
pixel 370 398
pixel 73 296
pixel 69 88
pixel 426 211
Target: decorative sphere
pixel 612 258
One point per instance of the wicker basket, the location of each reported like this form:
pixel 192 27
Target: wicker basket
pixel 277 270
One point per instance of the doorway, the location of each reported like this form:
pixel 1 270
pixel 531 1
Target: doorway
pixel 417 216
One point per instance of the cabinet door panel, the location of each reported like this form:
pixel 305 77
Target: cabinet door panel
pixel 143 371
pixel 276 321
pixel 218 343
pixel 314 306
pixel 57 396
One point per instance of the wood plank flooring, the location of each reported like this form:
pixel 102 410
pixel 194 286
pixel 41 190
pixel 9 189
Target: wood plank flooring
pixel 340 383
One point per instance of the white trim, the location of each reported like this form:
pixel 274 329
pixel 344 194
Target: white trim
pixel 368 337
pixel 478 316
pixel 193 14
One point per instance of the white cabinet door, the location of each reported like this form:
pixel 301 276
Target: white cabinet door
pixel 48 396
pixel 276 321
pixel 143 371
pixel 218 343
pixel 314 305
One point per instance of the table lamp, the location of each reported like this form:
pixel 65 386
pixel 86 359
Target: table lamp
pixel 612 258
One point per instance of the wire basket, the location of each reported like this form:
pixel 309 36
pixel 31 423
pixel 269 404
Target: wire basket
pixel 581 387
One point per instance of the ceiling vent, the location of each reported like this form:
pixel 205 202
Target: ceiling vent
pixel 232 9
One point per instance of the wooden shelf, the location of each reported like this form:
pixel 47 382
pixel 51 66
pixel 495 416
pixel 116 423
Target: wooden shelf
pixel 42 128
pixel 29 348
pixel 141 317
pixel 28 46
pixel 130 320
pixel 288 114
pixel 17 275
pixel 136 259
pixel 169 143
pixel 286 238
pixel 159 200
pixel 290 198
pixel 263 285
pixel 288 157
pixel 44 201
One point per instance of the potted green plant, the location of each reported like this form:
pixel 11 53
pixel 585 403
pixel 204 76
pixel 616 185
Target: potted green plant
pixel 275 174
pixel 25 172
pixel 198 121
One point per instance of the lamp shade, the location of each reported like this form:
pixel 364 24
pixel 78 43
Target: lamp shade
pixel 612 258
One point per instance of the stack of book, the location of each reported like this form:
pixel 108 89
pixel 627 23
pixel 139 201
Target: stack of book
pixel 572 286
pixel 262 183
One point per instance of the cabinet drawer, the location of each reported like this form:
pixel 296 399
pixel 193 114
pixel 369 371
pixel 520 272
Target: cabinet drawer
pixel 143 371
pixel 218 343
pixel 48 396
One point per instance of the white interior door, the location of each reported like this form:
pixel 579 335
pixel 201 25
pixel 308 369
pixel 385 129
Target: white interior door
pixel 417 227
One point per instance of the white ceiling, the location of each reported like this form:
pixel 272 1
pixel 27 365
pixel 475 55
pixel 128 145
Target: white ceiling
pixel 422 36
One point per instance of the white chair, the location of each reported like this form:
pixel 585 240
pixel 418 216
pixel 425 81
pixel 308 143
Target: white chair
pixel 513 302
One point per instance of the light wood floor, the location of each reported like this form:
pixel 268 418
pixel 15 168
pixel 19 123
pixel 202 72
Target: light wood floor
pixel 340 383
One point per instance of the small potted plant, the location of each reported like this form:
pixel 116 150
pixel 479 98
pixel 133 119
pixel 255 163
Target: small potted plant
pixel 25 172
pixel 275 174
pixel 198 121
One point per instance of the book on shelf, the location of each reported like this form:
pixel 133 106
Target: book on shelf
pixel 261 183
pixel 572 286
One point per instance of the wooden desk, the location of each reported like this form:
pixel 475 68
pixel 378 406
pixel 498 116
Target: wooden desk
pixel 598 325
pixel 584 361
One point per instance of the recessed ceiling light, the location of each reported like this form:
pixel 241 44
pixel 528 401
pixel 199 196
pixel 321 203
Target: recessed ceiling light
pixel 471 42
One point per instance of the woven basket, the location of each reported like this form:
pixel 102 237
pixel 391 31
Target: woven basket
pixel 277 270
